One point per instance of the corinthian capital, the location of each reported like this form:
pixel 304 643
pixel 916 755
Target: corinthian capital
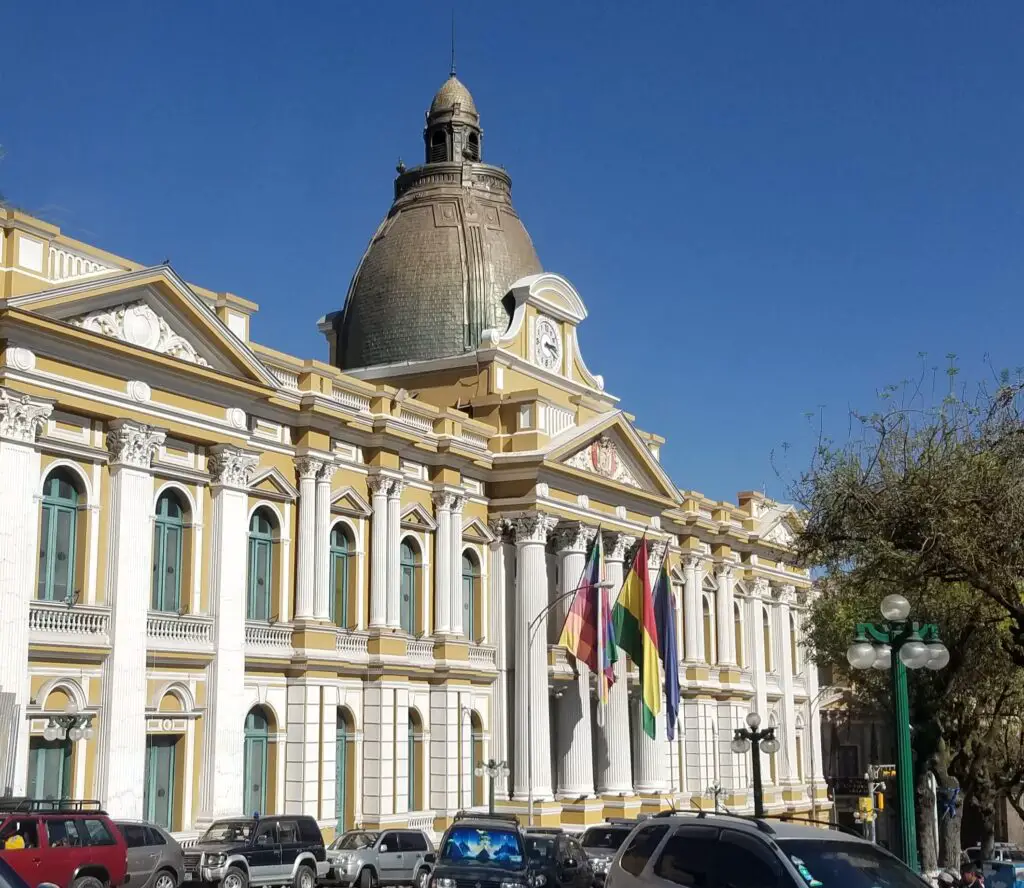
pixel 307 467
pixel 616 545
pixel 379 485
pixel 785 594
pixel 232 467
pixel 443 500
pixel 761 587
pixel 133 444
pixel 533 527
pixel 326 472
pixel 656 550
pixel 21 417
pixel 574 536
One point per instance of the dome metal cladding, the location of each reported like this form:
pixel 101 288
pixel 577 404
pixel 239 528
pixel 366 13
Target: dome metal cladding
pixel 433 277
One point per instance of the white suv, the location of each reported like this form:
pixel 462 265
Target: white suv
pixel 697 851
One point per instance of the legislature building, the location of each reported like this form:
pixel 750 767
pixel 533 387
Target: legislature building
pixel 236 580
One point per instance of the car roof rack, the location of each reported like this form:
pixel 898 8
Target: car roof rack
pixel 701 814
pixel 483 815
pixel 26 805
pixel 797 818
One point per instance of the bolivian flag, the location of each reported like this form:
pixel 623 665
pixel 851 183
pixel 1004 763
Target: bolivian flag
pixel 637 634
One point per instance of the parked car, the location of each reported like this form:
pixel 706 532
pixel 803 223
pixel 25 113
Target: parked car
pixel 154 855
pixel 736 852
pixel 482 849
pixel 276 850
pixel 70 843
pixel 392 857
pixel 600 844
pixel 1001 851
pixel 556 860
pixel 10 879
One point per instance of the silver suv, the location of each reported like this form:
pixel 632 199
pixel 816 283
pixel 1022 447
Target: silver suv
pixel 392 857
pixel 737 852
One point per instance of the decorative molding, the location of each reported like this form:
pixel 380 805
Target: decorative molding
pixel 307 467
pixel 583 501
pixel 236 417
pixel 348 502
pixel 724 572
pixel 417 518
pixel 500 526
pixel 616 545
pixel 137 324
pixel 284 490
pixel 379 484
pixel 21 417
pixel 475 531
pixel 601 457
pixel 761 588
pixel 326 473
pixel 21 359
pixel 132 444
pixel 397 486
pixel 232 467
pixel 533 527
pixel 656 550
pixel 543 490
pixel 139 391
pixel 692 562
pixel 574 537
pixel 785 594
pixel 443 500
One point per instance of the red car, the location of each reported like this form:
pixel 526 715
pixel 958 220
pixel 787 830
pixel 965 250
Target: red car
pixel 70 844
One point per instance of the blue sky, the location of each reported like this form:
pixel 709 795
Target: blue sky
pixel 769 208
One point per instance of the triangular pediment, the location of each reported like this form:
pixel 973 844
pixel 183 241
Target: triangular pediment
pixel 780 527
pixel 152 309
pixel 348 502
pixel 415 517
pixel 273 484
pixel 475 531
pixel 612 451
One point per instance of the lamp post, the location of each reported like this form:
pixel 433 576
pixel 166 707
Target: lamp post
pixel 492 770
pixel 71 725
pixel 531 629
pixel 752 738
pixel 915 645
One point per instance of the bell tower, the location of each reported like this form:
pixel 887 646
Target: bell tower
pixel 452 133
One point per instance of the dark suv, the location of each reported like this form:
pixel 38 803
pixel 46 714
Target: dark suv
pixel 68 843
pixel 278 850
pixel 482 851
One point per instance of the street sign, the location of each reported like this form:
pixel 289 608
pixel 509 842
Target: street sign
pixel 883 772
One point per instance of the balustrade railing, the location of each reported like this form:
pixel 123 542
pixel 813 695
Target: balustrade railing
pixel 178 630
pixel 268 637
pixel 82 623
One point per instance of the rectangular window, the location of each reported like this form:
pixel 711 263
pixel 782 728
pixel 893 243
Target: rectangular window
pixel 259 580
pixel 339 584
pixel 158 799
pixel 467 607
pixel 49 769
pixel 63 576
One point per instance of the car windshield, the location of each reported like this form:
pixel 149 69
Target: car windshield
pixel 601 838
pixel 354 841
pixel 540 847
pixel 228 831
pixel 475 844
pixel 837 864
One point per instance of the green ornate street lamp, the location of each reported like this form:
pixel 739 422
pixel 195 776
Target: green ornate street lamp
pixel 900 644
pixel 745 739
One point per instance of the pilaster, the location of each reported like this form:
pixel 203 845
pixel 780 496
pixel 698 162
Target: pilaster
pixel 122 738
pixel 21 420
pixel 224 717
pixel 322 549
pixel 305 569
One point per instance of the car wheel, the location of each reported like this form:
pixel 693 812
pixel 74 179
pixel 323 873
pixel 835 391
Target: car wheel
pixel 304 878
pixel 165 879
pixel 234 878
pixel 422 877
pixel 366 879
pixel 87 882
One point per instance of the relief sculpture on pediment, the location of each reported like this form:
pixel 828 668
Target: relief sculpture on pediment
pixel 601 457
pixel 138 324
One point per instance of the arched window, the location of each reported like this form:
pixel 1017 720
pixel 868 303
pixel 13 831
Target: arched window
pixel 794 645
pixel 261 565
pixel 476 729
pixel 255 758
pixel 409 559
pixel 438 146
pixel 341 551
pixel 766 631
pixel 415 750
pixel 167 534
pixel 473 147
pixel 737 619
pixel 709 631
pixel 344 770
pixel 470 588
pixel 58 534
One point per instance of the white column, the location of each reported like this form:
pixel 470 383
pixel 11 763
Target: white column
pixel 498 637
pixel 394 584
pixel 122 734
pixel 786 597
pixel 322 549
pixel 21 419
pixel 442 562
pixel 455 580
pixel 224 718
pixel 575 743
pixel 726 618
pixel 693 614
pixel 756 604
pixel 614 757
pixel 305 566
pixel 532 744
pixel 380 486
pixel 651 754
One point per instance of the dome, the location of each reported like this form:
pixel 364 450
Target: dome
pixel 453 92
pixel 435 272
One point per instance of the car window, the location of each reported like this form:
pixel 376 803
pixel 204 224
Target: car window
pixel 134 834
pixel 18 834
pixel 483 844
pixel 288 832
pixel 64 833
pixel 155 836
pixel 604 839
pixel 687 857
pixel 228 831
pixel 413 841
pixel 354 841
pixel 266 833
pixel 641 847
pixel 744 862
pixel 540 848
pixel 853 864
pixel 309 831
pixel 389 843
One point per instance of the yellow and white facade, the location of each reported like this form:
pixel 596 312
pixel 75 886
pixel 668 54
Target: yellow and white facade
pixel 273 585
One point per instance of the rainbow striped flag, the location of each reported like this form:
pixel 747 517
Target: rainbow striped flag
pixel 587 632
pixel 637 634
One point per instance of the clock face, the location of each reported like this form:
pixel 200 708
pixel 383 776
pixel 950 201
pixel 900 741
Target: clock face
pixel 547 344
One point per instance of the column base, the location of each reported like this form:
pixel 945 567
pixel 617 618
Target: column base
pixel 379 822
pixel 313 635
pixel 583 812
pixel 655 802
pixel 729 675
pixel 621 807
pixel 545 813
pixel 698 672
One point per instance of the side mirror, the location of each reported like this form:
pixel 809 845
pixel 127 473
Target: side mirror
pixel 430 857
pixel 383 849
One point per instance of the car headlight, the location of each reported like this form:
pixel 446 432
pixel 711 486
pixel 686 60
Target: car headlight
pixel 442 882
pixel 343 859
pixel 540 880
pixel 215 859
pixel 511 884
pixel 600 864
